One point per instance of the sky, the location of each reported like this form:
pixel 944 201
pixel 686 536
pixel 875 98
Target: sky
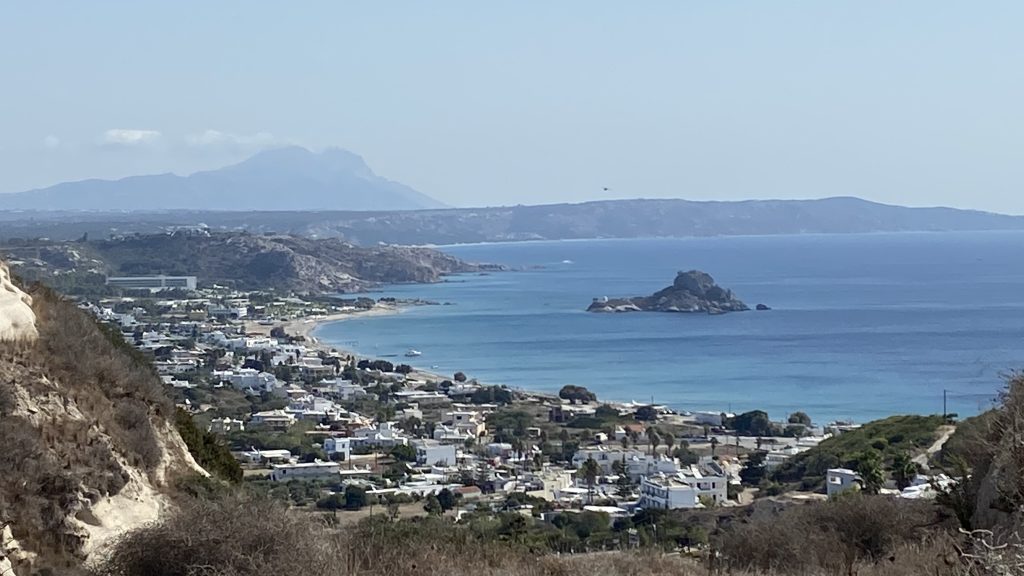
pixel 498 103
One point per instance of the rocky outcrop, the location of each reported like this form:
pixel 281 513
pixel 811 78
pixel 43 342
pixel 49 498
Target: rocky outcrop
pixel 692 291
pixel 17 321
pixel 89 447
pixel 240 260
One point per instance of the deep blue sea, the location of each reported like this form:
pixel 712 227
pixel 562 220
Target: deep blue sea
pixel 862 326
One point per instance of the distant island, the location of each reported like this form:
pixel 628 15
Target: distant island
pixel 290 178
pixel 391 223
pixel 692 291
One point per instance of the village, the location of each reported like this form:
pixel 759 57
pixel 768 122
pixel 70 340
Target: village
pixel 324 429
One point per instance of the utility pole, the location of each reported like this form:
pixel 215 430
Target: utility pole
pixel 945 412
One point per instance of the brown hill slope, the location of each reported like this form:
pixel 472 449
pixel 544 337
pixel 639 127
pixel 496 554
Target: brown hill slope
pixel 89 447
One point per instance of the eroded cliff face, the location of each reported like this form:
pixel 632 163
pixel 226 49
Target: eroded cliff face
pixel 17 321
pixel 89 448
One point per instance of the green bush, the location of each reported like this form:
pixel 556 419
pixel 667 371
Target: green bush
pixel 208 450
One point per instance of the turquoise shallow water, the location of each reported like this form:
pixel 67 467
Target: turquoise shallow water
pixel 862 326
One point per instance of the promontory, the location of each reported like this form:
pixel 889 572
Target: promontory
pixel 692 291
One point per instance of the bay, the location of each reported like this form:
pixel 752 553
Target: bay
pixel 861 326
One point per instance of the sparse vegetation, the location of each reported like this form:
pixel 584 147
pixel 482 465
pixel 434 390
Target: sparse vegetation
pixel 87 400
pixel 886 438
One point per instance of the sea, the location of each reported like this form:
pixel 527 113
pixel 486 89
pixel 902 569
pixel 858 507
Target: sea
pixel 861 326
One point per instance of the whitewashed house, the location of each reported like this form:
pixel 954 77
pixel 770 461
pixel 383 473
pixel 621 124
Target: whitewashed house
pixel 338 448
pixel 839 480
pixel 306 471
pixel 432 452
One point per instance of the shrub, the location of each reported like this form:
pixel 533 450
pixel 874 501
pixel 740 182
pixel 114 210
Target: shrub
pixel 829 537
pixel 209 451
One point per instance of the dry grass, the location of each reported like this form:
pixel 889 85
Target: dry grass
pixel 246 537
pixel 92 398
pixel 831 537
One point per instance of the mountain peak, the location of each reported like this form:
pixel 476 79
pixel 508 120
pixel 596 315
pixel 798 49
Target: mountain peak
pixel 287 178
pixel 304 162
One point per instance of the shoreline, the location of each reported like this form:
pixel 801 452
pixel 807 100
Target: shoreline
pixel 307 327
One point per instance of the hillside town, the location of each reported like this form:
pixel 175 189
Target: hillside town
pixel 319 426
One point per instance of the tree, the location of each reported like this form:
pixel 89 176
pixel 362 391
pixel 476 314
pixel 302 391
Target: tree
pixel 355 497
pixel 459 377
pixel 904 470
pixel 754 469
pixel 332 502
pixel 432 506
pixel 634 437
pixel 624 486
pixel 646 413
pixel 670 441
pixel 447 499
pixel 590 471
pixel 753 423
pixel 491 395
pixel 576 394
pixel 800 418
pixel 606 412
pixel 714 445
pixel 653 439
pixel 869 467
pixel 404 453
pixel 685 455
pixel 411 425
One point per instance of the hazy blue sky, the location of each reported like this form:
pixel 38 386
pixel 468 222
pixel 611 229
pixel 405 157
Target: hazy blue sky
pixel 478 103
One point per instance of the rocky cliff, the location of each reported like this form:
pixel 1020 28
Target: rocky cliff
pixel 692 291
pixel 17 321
pixel 89 448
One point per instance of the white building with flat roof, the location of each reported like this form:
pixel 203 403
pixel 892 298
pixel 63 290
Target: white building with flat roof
pixel 248 379
pixel 839 480
pixel 152 283
pixel 683 489
pixel 667 493
pixel 306 471
pixel 432 452
pixel 338 448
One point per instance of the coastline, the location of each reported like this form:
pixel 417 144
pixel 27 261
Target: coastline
pixel 308 326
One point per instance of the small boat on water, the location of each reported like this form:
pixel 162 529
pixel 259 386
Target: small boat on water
pixel 411 353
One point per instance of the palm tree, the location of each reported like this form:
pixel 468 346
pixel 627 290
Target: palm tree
pixel 869 466
pixel 654 439
pixel 590 471
pixel 670 441
pixel 904 469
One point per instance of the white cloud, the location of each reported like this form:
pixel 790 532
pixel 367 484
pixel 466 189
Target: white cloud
pixel 51 142
pixel 217 139
pixel 129 137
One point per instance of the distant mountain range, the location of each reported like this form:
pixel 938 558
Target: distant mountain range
pixel 605 219
pixel 291 178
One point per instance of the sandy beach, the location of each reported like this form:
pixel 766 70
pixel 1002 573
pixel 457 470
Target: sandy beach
pixel 306 327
